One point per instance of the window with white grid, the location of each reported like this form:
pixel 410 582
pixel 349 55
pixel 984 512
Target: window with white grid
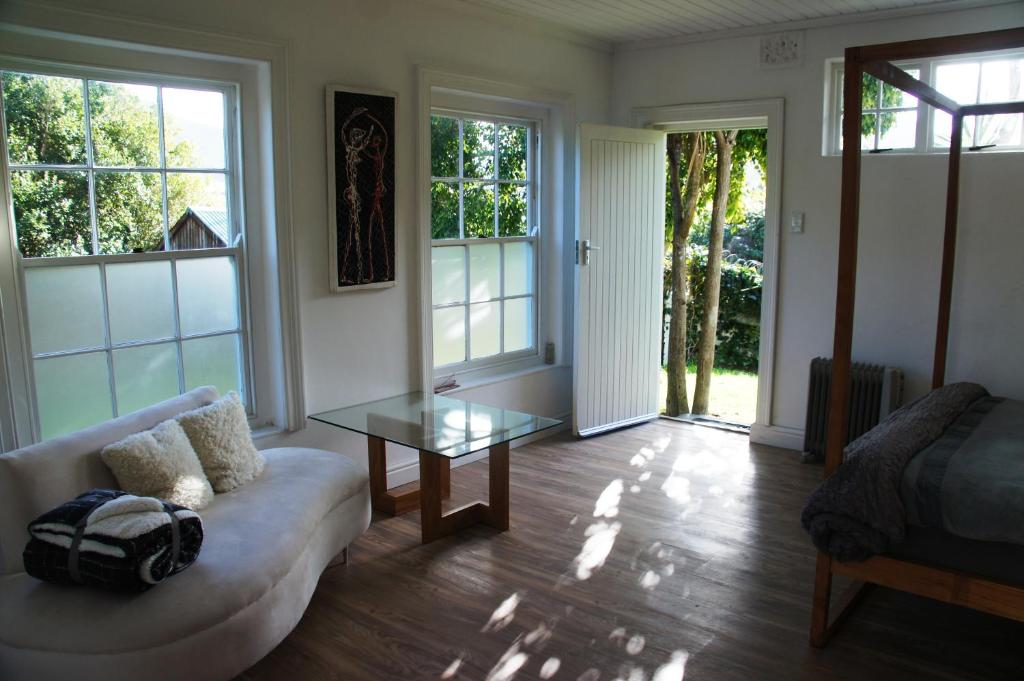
pixel 483 239
pixel 124 192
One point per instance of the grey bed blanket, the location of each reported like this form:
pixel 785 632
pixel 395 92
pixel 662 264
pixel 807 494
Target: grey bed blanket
pixel 970 482
pixel 857 512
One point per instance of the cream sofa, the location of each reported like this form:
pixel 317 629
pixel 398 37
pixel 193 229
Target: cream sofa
pixel 265 546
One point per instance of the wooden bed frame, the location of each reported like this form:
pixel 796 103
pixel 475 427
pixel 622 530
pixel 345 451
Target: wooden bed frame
pixel 943 584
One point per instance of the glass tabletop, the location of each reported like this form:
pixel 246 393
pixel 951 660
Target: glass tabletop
pixel 443 425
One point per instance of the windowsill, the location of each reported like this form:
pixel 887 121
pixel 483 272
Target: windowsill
pixel 930 152
pixel 472 382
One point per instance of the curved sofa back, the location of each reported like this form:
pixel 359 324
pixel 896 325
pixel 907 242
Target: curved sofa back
pixel 39 477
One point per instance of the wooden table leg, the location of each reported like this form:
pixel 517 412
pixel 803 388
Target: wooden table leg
pixel 497 504
pixel 380 498
pixel 435 481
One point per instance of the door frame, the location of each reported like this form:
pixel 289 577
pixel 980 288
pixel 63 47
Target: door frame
pixel 758 113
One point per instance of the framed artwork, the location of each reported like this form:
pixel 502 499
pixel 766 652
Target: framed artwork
pixel 361 187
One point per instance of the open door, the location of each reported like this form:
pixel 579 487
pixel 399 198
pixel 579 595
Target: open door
pixel 619 256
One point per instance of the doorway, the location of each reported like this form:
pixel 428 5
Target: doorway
pixel 736 379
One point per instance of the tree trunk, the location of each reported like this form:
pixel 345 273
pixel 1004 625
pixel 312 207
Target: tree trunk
pixel 689 146
pixel 724 142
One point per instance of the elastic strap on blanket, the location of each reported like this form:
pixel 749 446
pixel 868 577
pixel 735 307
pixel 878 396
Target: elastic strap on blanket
pixel 76 541
pixel 175 538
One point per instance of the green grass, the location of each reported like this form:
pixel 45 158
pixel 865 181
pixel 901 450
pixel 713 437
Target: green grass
pixel 733 393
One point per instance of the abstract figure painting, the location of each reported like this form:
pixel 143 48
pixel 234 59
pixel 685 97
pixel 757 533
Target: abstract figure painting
pixel 361 187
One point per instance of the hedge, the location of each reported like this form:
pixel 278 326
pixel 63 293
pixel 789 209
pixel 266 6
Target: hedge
pixel 739 314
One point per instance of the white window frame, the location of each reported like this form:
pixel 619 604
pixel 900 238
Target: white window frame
pixel 533 193
pixel 236 249
pixel 925 133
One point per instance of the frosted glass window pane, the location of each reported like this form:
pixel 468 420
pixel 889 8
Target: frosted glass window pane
pixel 484 329
pixel 140 300
pixel 72 392
pixel 213 361
pixel 65 309
pixel 145 375
pixel 518 324
pixel 899 130
pixel 484 272
pixel 518 268
pixel 448 274
pixel 959 81
pixel 449 335
pixel 207 295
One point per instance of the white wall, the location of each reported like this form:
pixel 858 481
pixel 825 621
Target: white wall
pixel 901 215
pixel 365 345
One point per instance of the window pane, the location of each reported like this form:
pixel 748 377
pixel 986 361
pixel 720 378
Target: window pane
pixel 518 324
pixel 943 129
pixel 518 268
pixel 478 206
pixel 145 375
pixel 1001 130
pixel 65 308
pixel 45 119
pixel 484 329
pixel 444 146
pixel 899 130
pixel 449 335
pixel 512 210
pixel 125 130
pixel 140 301
pixel 870 92
pixel 484 272
pixel 959 81
pixel 212 361
pixel 129 212
pixel 512 152
pixel 51 213
pixel 894 98
pixel 1002 81
pixel 207 295
pixel 197 211
pixel 444 210
pixel 868 125
pixel 478 151
pixel 448 274
pixel 194 128
pixel 72 392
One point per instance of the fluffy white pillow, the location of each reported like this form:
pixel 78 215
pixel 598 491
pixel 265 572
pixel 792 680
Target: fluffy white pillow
pixel 160 463
pixel 219 433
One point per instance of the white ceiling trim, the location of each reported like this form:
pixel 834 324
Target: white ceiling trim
pixel 819 22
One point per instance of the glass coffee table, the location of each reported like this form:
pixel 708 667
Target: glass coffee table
pixel 441 428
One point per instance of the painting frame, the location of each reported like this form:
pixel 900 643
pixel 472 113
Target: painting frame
pixel 335 119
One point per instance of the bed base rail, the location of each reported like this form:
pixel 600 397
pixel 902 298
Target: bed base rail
pixel 941 584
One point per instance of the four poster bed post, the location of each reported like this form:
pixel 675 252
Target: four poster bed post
pixel 932 581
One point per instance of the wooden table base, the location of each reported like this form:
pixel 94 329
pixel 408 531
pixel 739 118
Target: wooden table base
pixel 404 502
pixel 435 479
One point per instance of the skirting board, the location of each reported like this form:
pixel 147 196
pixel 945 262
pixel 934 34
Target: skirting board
pixel 404 473
pixel 777 436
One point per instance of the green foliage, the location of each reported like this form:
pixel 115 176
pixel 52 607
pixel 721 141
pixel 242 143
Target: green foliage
pixel 739 320
pixel 478 172
pixel 739 312
pixel 878 95
pixel 46 125
pixel 743 240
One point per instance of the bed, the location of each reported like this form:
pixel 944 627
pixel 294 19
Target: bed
pixel 949 519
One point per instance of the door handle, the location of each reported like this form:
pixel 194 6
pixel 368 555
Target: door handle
pixel 585 249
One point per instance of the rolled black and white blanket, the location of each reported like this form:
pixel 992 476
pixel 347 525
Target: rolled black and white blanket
pixel 113 540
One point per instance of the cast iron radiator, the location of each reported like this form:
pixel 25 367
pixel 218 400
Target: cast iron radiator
pixel 875 391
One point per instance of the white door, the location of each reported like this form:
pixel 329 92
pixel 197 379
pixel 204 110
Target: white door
pixel 620 252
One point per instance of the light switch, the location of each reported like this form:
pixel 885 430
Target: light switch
pixel 796 222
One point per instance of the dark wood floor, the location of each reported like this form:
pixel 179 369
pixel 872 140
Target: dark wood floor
pixel 642 555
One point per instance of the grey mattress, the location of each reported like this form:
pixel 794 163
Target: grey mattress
pixel 1000 561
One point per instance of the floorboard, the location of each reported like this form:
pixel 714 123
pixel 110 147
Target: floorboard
pixel 654 553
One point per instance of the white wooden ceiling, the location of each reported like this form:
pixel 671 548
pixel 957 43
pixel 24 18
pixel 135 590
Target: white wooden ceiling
pixel 625 21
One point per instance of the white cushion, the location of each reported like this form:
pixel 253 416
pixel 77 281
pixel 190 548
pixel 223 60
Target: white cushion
pixel 220 434
pixel 160 463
